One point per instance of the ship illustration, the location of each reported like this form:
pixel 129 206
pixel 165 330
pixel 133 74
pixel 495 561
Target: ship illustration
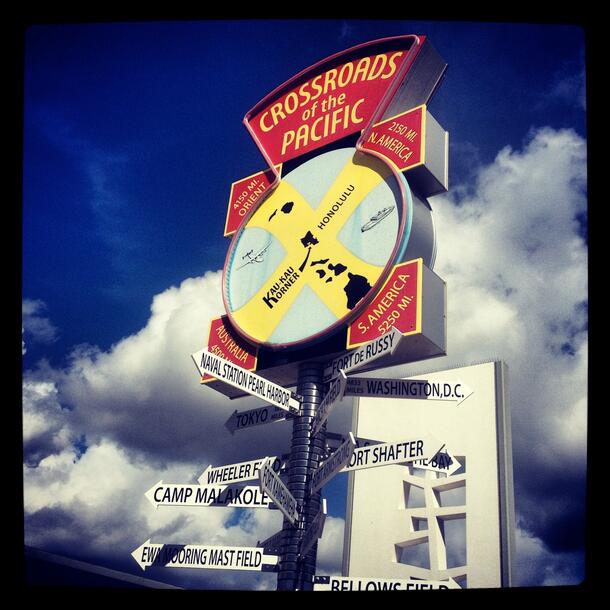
pixel 377 218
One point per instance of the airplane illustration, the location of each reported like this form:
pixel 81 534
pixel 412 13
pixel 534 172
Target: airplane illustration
pixel 257 258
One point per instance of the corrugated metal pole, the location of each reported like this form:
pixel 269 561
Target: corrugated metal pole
pixel 306 452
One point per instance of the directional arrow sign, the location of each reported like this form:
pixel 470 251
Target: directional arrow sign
pixel 443 461
pixel 274 487
pixel 357 358
pixel 314 531
pixel 273 542
pixel 224 341
pixel 330 401
pixel 255 417
pixel 396 452
pixel 244 195
pixel 454 391
pixel 360 440
pixel 330 467
pixel 247 381
pixel 198 556
pixel 235 473
pixel 346 583
pixel 168 494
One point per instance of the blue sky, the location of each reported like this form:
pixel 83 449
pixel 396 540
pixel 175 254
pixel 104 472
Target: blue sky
pixel 133 135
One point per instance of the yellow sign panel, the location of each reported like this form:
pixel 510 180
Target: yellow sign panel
pixel 314 248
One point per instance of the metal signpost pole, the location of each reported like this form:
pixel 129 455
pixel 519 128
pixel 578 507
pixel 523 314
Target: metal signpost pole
pixel 307 451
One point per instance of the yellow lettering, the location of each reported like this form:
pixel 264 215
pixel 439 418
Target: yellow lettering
pixel 329 79
pixel 287 140
pixel 354 116
pixel 276 111
pixel 344 80
pixel 301 137
pixel 305 94
pixel 361 69
pixel 392 62
pixel 378 64
pixel 262 123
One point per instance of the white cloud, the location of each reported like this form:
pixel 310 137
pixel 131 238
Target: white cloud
pixel 95 507
pixel 145 394
pixel 536 566
pixel 46 427
pixel 330 547
pixel 516 272
pixel 569 86
pixel 36 326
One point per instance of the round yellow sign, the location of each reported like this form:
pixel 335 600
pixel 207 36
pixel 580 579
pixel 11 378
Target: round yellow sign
pixel 315 251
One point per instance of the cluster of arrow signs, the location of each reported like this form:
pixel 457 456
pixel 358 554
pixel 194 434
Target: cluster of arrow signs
pixel 223 486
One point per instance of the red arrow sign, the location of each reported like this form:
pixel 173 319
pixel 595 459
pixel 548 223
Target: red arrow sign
pixel 397 304
pixel 245 193
pixel 223 341
pixel 400 138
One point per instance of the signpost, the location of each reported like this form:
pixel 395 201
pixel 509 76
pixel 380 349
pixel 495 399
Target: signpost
pixel 273 543
pixel 397 305
pixel 332 398
pixel 330 467
pixel 274 487
pixel 236 473
pixel 452 391
pixel 314 531
pixel 360 441
pixel 223 341
pixel 245 380
pixel 203 556
pixel 395 452
pixel 344 583
pixel 443 462
pixel 255 417
pixel 245 194
pixel 336 255
pixel 171 494
pixel 365 354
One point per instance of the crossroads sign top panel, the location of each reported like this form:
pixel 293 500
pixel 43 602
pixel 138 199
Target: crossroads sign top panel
pixel 336 97
pixel 313 253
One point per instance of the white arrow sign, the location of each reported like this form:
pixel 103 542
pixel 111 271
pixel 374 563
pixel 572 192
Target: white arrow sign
pixel 330 467
pixel 357 358
pixel 443 461
pixel 167 494
pixel 255 417
pixel 419 389
pixel 346 583
pixel 236 473
pixel 273 542
pixel 396 452
pixel 274 487
pixel 314 531
pixel 199 556
pixel 330 401
pixel 247 381
pixel 341 438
